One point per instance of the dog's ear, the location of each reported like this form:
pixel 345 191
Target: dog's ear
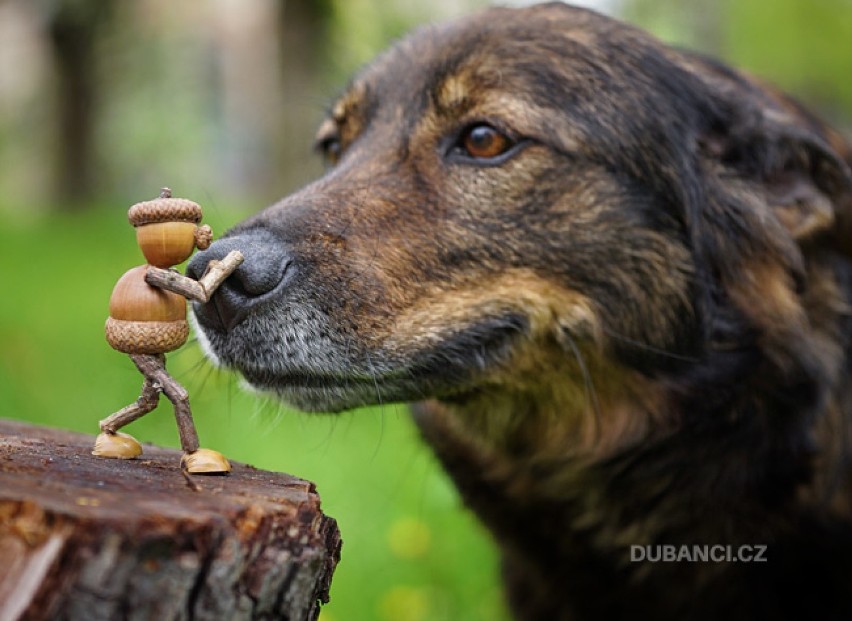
pixel 775 187
pixel 787 158
pixel 802 179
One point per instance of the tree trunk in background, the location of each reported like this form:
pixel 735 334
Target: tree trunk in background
pixel 304 26
pixel 72 30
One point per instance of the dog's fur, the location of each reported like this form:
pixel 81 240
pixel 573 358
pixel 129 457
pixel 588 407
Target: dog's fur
pixel 632 328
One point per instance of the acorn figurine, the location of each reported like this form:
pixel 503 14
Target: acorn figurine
pixel 147 318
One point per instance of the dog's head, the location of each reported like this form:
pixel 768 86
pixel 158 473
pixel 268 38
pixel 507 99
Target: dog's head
pixel 516 188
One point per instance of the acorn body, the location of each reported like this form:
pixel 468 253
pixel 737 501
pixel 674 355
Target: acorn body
pixel 144 319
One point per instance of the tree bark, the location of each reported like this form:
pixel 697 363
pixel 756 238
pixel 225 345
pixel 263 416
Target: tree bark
pixel 92 538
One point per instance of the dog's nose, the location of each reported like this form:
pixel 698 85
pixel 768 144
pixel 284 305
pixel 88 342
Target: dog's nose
pixel 266 262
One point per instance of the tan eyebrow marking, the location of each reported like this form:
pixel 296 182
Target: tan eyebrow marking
pixel 453 93
pixel 346 117
pixel 327 129
pixel 350 103
pixel 338 112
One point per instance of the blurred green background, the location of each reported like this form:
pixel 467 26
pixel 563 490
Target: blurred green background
pixel 102 103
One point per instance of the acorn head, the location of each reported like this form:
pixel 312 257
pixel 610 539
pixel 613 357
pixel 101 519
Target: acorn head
pixel 165 228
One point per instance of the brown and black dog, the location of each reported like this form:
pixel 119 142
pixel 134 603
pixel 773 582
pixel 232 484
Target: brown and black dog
pixel 616 277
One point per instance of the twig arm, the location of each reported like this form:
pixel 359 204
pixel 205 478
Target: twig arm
pixel 218 271
pixel 199 290
pixel 176 282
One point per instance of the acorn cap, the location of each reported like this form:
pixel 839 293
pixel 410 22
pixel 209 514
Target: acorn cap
pixel 146 337
pixel 164 208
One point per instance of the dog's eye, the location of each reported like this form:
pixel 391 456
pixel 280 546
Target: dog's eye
pixel 330 148
pixel 484 142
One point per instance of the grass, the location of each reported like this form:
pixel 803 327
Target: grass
pixel 410 553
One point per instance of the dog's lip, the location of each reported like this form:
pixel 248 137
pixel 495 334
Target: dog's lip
pixel 267 378
pixel 315 392
pixel 485 342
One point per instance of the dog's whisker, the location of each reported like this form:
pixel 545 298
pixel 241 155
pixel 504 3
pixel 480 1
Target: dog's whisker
pixel 201 363
pixel 278 414
pixel 372 371
pixel 590 394
pixel 649 348
pixel 200 374
pixel 419 390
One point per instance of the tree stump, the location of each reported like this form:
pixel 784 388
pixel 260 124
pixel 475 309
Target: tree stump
pixel 91 538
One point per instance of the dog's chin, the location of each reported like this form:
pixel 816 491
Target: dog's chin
pixel 325 394
pixel 326 400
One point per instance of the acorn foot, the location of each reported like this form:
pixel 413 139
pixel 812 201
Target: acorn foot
pixel 205 461
pixel 116 445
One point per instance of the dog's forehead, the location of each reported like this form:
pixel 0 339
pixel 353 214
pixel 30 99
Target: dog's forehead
pixel 521 51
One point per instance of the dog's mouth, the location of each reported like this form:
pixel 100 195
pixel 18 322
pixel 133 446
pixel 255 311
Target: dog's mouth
pixel 333 373
pixel 329 393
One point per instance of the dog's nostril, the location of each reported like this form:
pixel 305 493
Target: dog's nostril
pixel 266 262
pixel 259 276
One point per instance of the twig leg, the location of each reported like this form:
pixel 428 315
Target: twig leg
pixel 153 367
pixel 186 428
pixel 145 403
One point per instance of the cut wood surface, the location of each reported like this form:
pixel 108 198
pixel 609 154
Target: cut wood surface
pixel 90 538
